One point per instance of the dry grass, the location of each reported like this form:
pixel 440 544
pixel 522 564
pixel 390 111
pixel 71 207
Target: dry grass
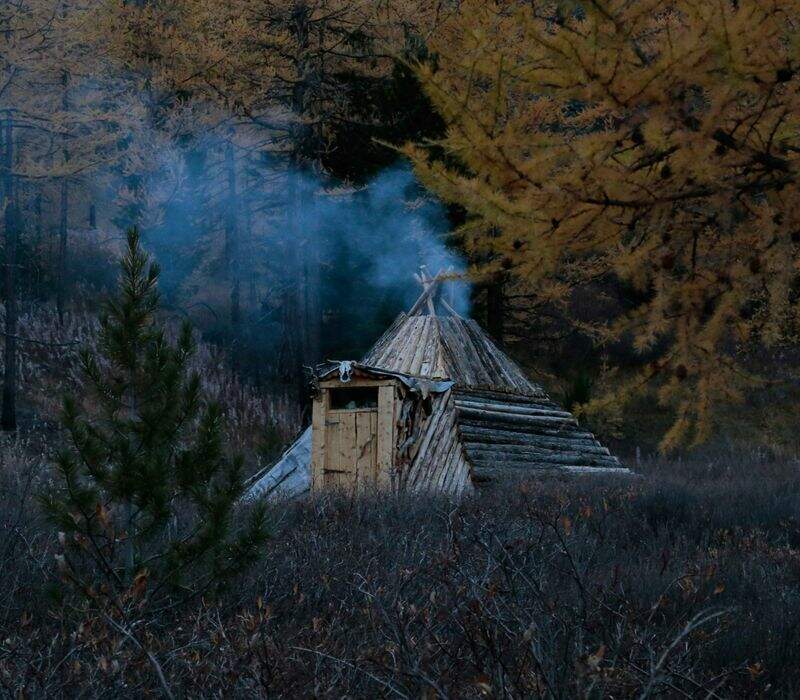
pixel 685 583
pixel 48 369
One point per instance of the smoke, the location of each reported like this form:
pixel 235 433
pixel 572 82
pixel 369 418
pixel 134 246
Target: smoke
pixel 252 249
pixel 353 249
pixel 392 228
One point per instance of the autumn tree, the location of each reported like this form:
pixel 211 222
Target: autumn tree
pixel 23 28
pixel 85 123
pixel 61 129
pixel 655 142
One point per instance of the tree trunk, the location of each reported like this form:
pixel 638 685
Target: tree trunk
pixel 311 298
pixel 232 261
pixel 39 218
pixel 63 222
pixel 496 308
pixel 8 421
pixel 305 147
pixel 289 365
pixel 130 510
pixel 61 277
pixel 302 317
pixel 313 315
pixel 250 268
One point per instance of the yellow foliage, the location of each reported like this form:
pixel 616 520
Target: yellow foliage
pixel 272 64
pixel 653 140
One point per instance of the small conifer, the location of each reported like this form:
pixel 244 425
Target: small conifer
pixel 147 501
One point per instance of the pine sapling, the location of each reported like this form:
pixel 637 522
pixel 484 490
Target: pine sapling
pixel 148 497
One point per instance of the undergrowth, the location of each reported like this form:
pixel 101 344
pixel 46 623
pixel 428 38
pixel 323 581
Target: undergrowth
pixel 682 583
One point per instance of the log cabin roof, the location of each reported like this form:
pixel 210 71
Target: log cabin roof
pixel 506 424
pixel 448 347
pixel 507 436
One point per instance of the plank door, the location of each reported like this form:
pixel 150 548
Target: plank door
pixel 351 449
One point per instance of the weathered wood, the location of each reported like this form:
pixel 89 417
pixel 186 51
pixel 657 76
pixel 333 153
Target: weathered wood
pixel 347 448
pixel 504 397
pixel 423 299
pixel 490 359
pixel 484 474
pixel 500 419
pixel 494 436
pixel 418 356
pixel 532 410
pixel 318 432
pixel 439 464
pixel 457 474
pixel 448 451
pixel 453 348
pixel 535 426
pixel 494 421
pixel 386 341
pixel 331 451
pixel 355 382
pixel 421 462
pixel 533 456
pixel 443 451
pixel 458 482
pixel 514 461
pixel 534 445
pixel 339 447
pixel 366 440
pixel 386 429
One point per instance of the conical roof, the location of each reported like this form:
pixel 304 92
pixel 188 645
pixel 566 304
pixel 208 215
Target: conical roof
pixel 506 423
pixel 424 344
pixel 448 347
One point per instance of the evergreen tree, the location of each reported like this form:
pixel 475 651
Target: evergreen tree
pixel 147 492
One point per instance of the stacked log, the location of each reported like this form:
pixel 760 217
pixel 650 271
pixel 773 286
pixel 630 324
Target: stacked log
pixel 507 434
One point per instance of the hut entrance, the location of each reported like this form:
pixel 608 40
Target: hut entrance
pixel 353 433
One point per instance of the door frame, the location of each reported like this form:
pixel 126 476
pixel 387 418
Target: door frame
pixel 385 429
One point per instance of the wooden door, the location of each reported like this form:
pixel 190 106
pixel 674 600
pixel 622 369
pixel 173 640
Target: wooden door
pixel 351 449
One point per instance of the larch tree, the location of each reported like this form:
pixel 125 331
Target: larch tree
pixel 653 142
pixel 61 127
pixel 24 30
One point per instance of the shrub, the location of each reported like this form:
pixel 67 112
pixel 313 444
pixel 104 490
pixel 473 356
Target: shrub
pixel 555 589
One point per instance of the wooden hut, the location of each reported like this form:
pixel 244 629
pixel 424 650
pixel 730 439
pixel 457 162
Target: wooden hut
pixel 435 405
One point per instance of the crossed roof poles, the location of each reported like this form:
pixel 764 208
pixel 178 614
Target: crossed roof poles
pixel 431 286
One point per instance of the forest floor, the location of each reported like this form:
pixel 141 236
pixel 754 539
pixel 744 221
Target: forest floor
pixel 684 582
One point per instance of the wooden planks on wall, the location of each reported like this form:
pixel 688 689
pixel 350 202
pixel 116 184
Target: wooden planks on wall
pixel 319 410
pixel 365 442
pixel 354 449
pixel 386 431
